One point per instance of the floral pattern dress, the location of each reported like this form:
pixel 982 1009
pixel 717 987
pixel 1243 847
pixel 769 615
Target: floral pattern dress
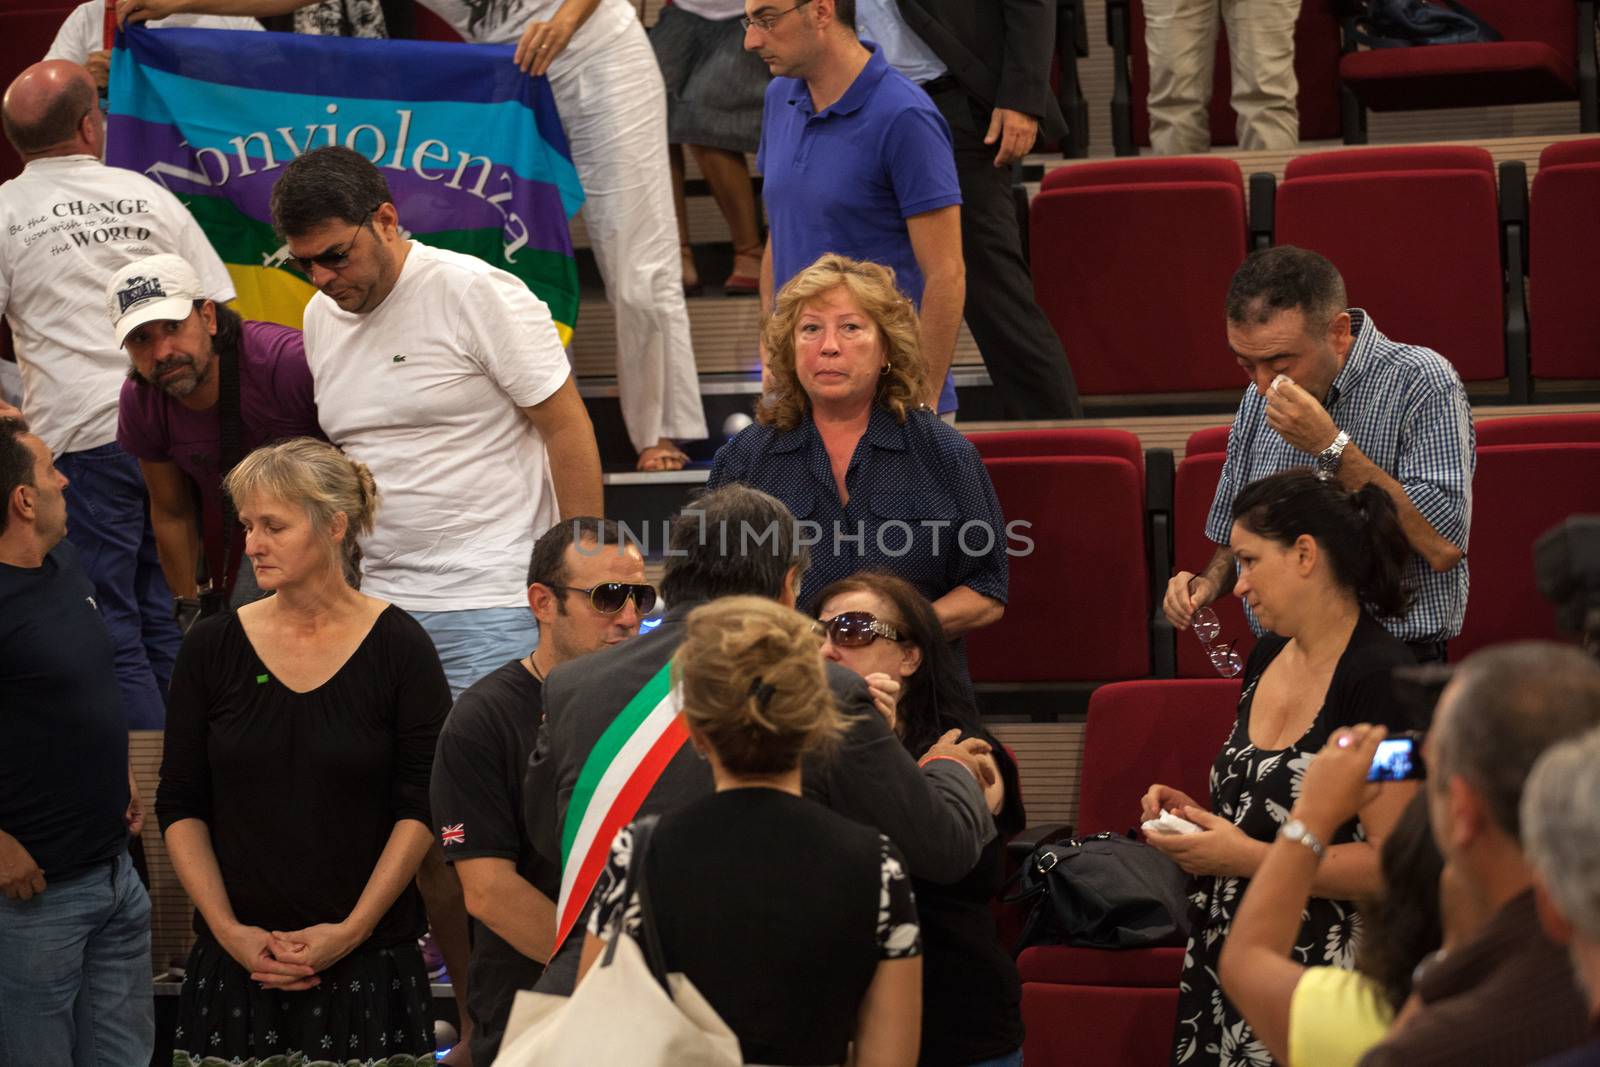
pixel 1254 789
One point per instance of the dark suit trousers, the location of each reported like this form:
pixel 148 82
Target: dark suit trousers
pixel 1025 359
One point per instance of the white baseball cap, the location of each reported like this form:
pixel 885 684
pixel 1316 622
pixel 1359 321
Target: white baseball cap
pixel 151 289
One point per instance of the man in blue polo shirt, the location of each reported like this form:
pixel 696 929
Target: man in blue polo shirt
pixel 856 159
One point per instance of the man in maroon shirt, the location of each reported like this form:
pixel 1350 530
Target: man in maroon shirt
pixel 173 408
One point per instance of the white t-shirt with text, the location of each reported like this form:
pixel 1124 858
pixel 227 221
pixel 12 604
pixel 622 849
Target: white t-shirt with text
pixel 425 390
pixel 84 30
pixel 67 223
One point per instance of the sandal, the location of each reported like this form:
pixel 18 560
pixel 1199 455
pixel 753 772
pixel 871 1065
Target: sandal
pixel 739 284
pixel 691 274
pixel 662 456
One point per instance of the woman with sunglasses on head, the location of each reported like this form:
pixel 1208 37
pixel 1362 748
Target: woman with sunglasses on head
pixel 883 629
pixel 294 787
pixel 796 924
pixel 1320 566
pixel 842 438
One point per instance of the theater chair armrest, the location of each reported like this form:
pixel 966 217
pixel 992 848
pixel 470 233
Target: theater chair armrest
pixel 1588 70
pixel 1118 21
pixel 1514 261
pixel 1263 211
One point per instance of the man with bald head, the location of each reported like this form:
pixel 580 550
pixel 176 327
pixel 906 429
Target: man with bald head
pixel 68 222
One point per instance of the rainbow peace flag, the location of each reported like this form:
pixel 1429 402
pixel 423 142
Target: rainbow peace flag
pixel 472 148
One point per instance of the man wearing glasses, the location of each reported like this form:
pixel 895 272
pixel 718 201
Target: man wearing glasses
pixel 856 159
pixel 446 377
pixel 67 223
pixel 586 586
pixel 204 388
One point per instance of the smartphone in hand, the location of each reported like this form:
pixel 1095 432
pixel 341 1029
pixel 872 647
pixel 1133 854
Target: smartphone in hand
pixel 1399 759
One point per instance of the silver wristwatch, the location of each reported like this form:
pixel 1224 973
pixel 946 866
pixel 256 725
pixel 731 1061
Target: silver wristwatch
pixel 1328 459
pixel 1295 830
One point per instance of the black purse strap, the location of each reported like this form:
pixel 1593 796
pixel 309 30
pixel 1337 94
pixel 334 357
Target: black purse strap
pixel 650 936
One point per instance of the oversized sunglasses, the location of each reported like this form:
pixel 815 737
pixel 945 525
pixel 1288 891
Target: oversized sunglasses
pixel 608 598
pixel 856 629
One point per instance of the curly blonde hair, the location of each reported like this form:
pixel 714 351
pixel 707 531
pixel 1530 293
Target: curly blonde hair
pixel 754 685
pixel 785 404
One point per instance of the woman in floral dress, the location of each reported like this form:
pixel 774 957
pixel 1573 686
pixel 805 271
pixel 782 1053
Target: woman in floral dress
pixel 1319 566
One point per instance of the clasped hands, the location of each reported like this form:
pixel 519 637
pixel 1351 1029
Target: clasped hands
pixel 289 960
pixel 1298 416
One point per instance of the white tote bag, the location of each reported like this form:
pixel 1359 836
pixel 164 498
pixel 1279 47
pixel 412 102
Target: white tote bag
pixel 621 1013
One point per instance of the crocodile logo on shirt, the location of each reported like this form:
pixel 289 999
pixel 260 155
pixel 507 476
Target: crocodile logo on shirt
pixel 399 359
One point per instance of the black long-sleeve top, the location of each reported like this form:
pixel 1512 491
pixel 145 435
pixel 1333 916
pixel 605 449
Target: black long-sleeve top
pixel 301 791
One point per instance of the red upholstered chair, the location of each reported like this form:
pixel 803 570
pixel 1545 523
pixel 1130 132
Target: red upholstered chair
pixel 1097 230
pixel 1096 1006
pixel 1563 233
pixel 1078 598
pixel 1194 488
pixel 1547 53
pixel 1565 429
pixel 1368 210
pixel 1119 444
pixel 1518 493
pixel 1316 66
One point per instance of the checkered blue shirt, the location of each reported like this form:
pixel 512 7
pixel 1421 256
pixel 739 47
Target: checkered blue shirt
pixel 1405 408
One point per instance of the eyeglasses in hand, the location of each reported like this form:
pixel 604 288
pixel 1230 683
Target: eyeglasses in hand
pixel 1207 627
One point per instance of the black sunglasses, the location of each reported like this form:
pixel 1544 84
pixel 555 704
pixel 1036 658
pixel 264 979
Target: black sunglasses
pixel 856 629
pixel 335 259
pixel 608 598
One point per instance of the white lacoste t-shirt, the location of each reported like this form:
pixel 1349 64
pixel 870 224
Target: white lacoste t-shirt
pixel 84 30
pixel 67 224
pixel 502 22
pixel 425 390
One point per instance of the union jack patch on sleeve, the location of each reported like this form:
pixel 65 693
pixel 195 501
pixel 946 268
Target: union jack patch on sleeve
pixel 453 835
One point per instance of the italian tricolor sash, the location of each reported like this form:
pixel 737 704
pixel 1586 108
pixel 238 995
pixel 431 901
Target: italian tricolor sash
pixel 624 766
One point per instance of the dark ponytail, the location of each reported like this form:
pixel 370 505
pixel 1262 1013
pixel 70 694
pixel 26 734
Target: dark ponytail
pixel 1383 581
pixel 1358 532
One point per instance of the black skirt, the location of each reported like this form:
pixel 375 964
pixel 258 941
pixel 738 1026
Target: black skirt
pixel 371 1008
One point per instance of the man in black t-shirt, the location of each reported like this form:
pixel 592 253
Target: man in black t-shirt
pixel 580 568
pixel 74 918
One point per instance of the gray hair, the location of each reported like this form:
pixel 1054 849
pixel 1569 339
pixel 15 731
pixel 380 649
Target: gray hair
pixel 1561 828
pixel 1286 278
pixel 733 541
pixel 1508 704
pixel 321 479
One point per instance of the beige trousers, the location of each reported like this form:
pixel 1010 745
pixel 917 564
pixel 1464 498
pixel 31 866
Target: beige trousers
pixel 1181 38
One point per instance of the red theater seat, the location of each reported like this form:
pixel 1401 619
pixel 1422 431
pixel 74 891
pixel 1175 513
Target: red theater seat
pixel 1518 493
pixel 1575 428
pixel 1194 488
pixel 1369 210
pixel 1096 1006
pixel 1138 310
pixel 1537 60
pixel 1563 234
pixel 1078 598
pixel 1316 67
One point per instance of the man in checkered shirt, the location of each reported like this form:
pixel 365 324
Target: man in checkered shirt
pixel 1332 392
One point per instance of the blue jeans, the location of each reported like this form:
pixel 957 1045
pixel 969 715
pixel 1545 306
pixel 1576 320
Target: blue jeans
pixel 108 522
pixel 75 972
pixel 477 641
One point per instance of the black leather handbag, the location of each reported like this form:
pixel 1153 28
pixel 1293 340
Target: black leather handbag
pixel 1105 891
pixel 1405 23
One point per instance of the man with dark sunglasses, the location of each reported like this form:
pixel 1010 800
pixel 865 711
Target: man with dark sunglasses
pixel 597 766
pixel 587 588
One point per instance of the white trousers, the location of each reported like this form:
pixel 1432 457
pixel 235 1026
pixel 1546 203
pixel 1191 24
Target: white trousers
pixel 614 107
pixel 1181 38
